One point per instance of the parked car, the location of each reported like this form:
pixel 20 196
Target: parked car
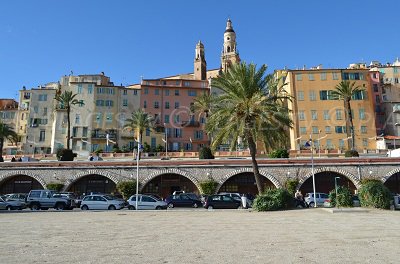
pixel 44 199
pixel 11 205
pixel 101 202
pixel 16 197
pixel 182 200
pixel 221 201
pixel 238 197
pixel 356 202
pixel 146 202
pixel 320 197
pixel 158 197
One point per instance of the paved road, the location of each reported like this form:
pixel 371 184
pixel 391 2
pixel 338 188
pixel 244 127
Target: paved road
pixel 200 236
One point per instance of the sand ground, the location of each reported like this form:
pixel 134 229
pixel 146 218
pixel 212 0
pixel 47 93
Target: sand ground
pixel 200 236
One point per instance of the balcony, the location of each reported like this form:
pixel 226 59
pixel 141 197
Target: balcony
pixel 190 123
pixel 99 134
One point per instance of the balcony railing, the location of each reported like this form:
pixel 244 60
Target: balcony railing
pixel 190 123
pixel 103 135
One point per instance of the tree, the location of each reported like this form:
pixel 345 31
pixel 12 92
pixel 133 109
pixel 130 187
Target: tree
pixel 66 100
pixel 139 121
pixel 203 104
pixel 345 90
pixel 6 133
pixel 251 106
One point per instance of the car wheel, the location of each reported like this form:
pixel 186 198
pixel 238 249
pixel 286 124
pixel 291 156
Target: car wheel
pixel 210 207
pixel 170 205
pixel 85 207
pixel 195 205
pixel 35 207
pixel 111 207
pixel 8 208
pixel 311 204
pixel 60 206
pixel 131 207
pixel 158 208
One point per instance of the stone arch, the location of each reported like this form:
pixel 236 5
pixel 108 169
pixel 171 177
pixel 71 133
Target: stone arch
pixel 390 174
pixel 170 171
pixel 270 177
pixel 85 173
pixel 25 173
pixel 348 175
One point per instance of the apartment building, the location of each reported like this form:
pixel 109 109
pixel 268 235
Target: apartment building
pixel 9 116
pixel 315 112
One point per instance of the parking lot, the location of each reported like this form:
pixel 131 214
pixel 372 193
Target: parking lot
pixel 199 236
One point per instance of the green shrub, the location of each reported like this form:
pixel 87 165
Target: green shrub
pixel 373 193
pixel 127 188
pixel 160 148
pixel 65 155
pixel 206 153
pixel 208 186
pixel 291 185
pixel 351 153
pixel 55 186
pixel 272 200
pixel 344 197
pixel 279 153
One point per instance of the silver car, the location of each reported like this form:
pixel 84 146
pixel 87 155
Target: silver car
pixel 101 202
pixel 146 202
pixel 11 205
pixel 320 198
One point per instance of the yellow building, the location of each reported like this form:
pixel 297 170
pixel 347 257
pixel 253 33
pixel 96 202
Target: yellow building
pixel 315 113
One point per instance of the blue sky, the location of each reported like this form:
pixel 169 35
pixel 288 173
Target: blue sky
pixel 42 40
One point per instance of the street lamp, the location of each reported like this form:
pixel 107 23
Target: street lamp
pixel 311 144
pixel 137 173
pixel 336 190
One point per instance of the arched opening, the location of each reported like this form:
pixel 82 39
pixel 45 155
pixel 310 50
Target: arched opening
pixel 244 183
pixel 393 183
pixel 228 49
pixel 165 184
pixel 19 184
pixel 93 183
pixel 325 182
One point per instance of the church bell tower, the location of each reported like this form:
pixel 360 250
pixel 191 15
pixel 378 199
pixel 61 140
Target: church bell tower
pixel 200 64
pixel 229 54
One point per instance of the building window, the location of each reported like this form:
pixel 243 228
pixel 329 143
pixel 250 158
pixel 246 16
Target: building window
pixel 314 115
pixel 375 86
pixel 125 92
pixel 177 119
pixel 299 77
pixel 363 130
pixel 315 130
pixel 312 95
pixel 42 135
pixel 42 97
pixel 144 104
pixel 345 76
pixel 177 132
pixel 341 144
pixel 359 95
pixel 340 129
pixel 361 113
pixel 301 115
pixel 99 102
pixel 198 134
pixel 166 105
pixel 36 109
pixel 90 88
pixel 177 92
pixel 81 103
pixel 192 93
pixel 303 130
pixel 84 131
pixel 166 92
pixel 153 143
pixel 147 132
pixel 326 95
pixel 311 77
pixel 77 118
pixel 125 102
pixel 186 83
pixel 166 119
pixel 329 144
pixel 109 117
pixel 365 142
pixel 146 90
pixel 156 104
pixel 79 88
pixel 326 115
pixel 335 76
pixel 176 105
pixel 339 114
pixel 44 111
pixel 300 95
pixel 328 130
pixel 109 103
pixel 323 76
pixel 135 92
pixel 156 91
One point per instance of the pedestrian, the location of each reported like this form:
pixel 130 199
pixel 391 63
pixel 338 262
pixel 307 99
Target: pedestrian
pixel 298 195
pixel 13 159
pixel 19 159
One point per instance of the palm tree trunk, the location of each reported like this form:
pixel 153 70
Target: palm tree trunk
pixel 347 115
pixel 253 151
pixel 1 146
pixel 351 125
pixel 68 126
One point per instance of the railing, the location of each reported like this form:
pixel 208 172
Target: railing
pixel 190 123
pixel 103 135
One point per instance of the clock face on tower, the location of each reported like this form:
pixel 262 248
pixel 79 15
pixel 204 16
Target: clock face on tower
pixel 228 38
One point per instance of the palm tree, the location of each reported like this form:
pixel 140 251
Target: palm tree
pixel 6 133
pixel 139 121
pixel 66 100
pixel 344 91
pixel 252 107
pixel 203 104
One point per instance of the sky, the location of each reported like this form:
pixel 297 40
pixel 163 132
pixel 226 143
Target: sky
pixel 42 40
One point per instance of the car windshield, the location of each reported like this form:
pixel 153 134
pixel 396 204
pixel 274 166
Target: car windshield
pixel 109 197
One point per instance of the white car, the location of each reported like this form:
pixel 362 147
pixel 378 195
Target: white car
pixel 101 202
pixel 146 202
pixel 320 197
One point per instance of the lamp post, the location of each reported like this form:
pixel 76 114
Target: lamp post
pixel 319 144
pixel 312 170
pixel 336 190
pixel 296 139
pixel 137 173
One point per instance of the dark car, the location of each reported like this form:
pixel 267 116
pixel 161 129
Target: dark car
pixel 182 200
pixel 221 201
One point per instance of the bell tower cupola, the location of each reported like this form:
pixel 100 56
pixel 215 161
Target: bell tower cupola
pixel 200 64
pixel 229 54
